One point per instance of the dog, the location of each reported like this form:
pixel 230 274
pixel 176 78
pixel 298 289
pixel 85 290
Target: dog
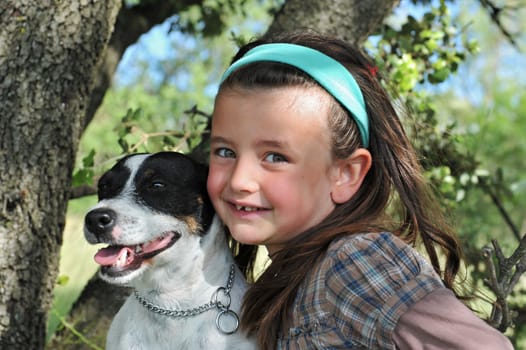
pixel 166 242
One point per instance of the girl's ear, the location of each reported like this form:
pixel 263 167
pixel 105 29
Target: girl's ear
pixel 349 174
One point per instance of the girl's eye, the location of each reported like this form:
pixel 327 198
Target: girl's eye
pixel 225 153
pixel 275 158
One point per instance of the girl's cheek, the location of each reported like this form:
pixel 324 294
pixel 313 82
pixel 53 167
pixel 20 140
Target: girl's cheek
pixel 214 182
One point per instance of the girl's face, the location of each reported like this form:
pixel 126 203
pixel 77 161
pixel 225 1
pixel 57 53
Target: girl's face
pixel 271 169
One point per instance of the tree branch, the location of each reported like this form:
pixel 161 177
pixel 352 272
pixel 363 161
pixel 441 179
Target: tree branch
pixel 504 273
pixel 496 12
pixel 514 229
pixel 82 191
pixel 131 23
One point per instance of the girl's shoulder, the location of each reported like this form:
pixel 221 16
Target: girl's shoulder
pixel 364 242
pixel 371 251
pixel 362 287
pixel 378 263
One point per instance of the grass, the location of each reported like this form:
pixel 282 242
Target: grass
pixel 76 263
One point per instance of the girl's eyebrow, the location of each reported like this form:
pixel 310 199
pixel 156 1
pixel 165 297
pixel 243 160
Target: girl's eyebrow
pixel 273 143
pixel 218 139
pixel 262 143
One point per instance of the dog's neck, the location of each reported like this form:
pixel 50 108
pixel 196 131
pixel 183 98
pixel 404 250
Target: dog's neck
pixel 193 281
pixel 227 320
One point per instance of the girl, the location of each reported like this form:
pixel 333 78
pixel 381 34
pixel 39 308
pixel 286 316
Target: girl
pixel 307 155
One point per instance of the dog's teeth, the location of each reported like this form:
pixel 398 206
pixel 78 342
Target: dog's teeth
pixel 122 259
pixel 138 249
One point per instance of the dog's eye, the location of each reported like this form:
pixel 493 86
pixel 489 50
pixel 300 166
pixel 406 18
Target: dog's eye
pixel 157 185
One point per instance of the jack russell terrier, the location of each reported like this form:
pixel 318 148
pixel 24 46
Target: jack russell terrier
pixel 165 241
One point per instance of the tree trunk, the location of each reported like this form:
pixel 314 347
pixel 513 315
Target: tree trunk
pixel 49 52
pixel 351 20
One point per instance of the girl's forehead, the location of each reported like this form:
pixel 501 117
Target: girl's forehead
pixel 294 102
pixel 291 98
pixel 281 112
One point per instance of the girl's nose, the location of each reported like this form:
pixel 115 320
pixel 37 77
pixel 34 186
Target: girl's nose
pixel 243 177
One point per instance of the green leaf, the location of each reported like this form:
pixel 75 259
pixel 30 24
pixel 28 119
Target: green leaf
pixel 439 75
pixel 62 280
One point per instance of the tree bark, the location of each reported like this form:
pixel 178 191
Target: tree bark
pixel 351 20
pixel 49 52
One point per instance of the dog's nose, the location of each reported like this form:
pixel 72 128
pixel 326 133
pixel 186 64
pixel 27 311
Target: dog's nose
pixel 100 221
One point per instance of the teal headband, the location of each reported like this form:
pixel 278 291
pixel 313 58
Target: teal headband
pixel 328 72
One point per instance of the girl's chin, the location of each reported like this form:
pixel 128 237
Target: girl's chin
pixel 246 238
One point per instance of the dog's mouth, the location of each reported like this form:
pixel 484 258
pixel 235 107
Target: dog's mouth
pixel 117 260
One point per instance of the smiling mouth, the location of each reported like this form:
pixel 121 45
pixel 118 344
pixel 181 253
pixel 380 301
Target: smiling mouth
pixel 118 260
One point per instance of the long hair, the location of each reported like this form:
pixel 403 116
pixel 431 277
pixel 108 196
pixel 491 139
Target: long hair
pixel 395 180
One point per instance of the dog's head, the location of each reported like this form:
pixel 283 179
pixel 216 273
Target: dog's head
pixel 148 206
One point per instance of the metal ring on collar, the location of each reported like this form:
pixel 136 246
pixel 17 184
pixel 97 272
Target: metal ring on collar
pixel 219 303
pixel 221 316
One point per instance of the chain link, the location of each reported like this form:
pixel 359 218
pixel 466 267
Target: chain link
pixel 214 302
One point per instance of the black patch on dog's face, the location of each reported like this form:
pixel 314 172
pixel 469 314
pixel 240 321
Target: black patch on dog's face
pixel 113 181
pixel 172 183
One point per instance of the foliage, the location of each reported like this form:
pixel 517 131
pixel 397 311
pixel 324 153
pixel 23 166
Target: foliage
pixel 484 196
pixel 420 53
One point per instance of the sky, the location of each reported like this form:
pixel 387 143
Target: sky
pixel 152 47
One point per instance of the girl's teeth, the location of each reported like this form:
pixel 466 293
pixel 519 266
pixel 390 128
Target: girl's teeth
pixel 239 207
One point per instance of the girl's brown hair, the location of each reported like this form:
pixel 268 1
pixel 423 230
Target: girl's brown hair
pixel 395 177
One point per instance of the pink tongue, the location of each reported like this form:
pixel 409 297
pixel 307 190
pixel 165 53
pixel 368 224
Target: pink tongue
pixel 109 256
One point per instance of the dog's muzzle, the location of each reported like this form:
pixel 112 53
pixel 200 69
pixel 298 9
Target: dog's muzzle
pixel 121 259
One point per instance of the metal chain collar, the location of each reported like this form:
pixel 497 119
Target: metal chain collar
pixel 222 305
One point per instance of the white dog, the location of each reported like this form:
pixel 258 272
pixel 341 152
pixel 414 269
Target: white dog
pixel 166 242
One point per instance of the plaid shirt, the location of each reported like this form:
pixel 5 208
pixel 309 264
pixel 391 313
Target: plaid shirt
pixel 354 298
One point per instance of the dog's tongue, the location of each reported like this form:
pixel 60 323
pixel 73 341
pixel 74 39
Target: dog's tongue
pixel 124 255
pixel 110 255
